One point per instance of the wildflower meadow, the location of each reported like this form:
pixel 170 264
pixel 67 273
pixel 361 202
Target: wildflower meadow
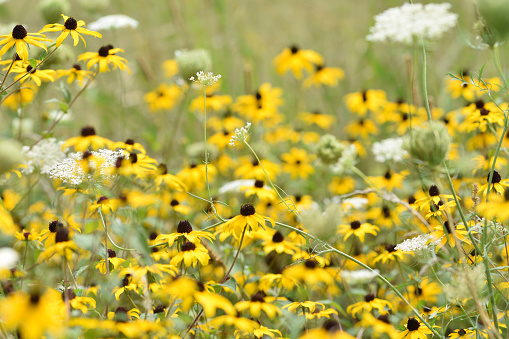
pixel 254 169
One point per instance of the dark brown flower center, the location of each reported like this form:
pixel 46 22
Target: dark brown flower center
pixel 105 51
pixel 294 49
pixel 355 225
pixel 184 226
pixel 71 24
pixel 277 237
pixel 102 199
pixel 311 264
pixel 19 32
pixel 462 332
pixel 259 297
pixel 433 191
pixel 247 210
pixel 479 104
pixel 62 235
pixel 388 175
pixel 87 131
pixel 112 253
pixel 159 309
pixel 34 298
pixel 162 169
pixel 133 157
pixel 483 111
pixel 30 69
pixel 54 225
pixel 390 248
pixel 495 179
pixel 413 324
pixel 384 318
pixel 174 202
pixel 258 183
pixel 76 67
pixel 369 297
pixel 188 246
pixel 68 295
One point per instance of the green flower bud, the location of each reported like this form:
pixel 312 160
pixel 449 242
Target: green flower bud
pixel 429 143
pixel 10 155
pixel 52 9
pixel 94 6
pixel 329 149
pixel 193 61
pixel 495 14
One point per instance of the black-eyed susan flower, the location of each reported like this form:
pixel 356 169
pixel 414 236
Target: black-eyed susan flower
pixel 434 197
pixel 357 229
pixel 497 184
pixel 138 164
pixel 415 330
pixel 380 325
pixel 308 306
pixel 298 163
pixel 70 26
pixel 322 120
pixel 84 304
pixel 33 314
pixel 366 101
pixel 107 205
pixel 213 101
pixel 297 60
pixel 362 128
pixel 21 96
pixel 279 244
pixel 21 39
pixel 194 176
pixel 64 247
pixel 87 140
pixel 462 333
pixel 236 321
pixel 264 193
pixel 331 329
pixel 448 233
pixel 262 105
pixel 126 284
pixel 105 56
pixel 310 273
pixel 496 206
pixel 165 97
pixel 113 261
pixel 227 121
pixel 326 76
pixel 75 73
pixel 184 233
pixel 35 74
pixel 257 305
pixel 480 117
pixel 253 170
pixel 247 218
pixel 130 146
pixel 390 254
pixel 211 302
pixel 390 180
pixel 191 254
pixel 370 302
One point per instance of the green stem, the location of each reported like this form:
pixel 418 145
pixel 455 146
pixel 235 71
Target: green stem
pixel 293 210
pixel 424 81
pixel 112 242
pixel 496 57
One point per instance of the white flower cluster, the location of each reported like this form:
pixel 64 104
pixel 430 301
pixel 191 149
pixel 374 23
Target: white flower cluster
pixel 8 258
pixel 206 79
pixel 101 163
pixel 43 155
pixel 234 186
pixel 112 22
pixel 390 149
pixel 359 276
pixel 415 244
pixel 240 135
pixel 347 161
pixel 410 21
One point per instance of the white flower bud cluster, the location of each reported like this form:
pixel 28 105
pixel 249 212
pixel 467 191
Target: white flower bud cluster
pixel 346 162
pixel 240 135
pixel 206 79
pixel 415 244
pixel 390 149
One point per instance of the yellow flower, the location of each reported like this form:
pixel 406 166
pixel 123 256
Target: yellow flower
pixel 214 103
pixel 361 128
pixel 170 68
pixel 256 305
pixel 390 254
pixel 254 170
pixel 80 303
pixel 296 60
pixel 37 75
pixel 130 146
pixel 106 205
pixel 362 102
pixel 481 114
pixel 357 229
pixel 21 96
pixel 33 315
pixel 297 163
pixel 497 206
pixel 191 254
pixel 415 330
pixel 165 97
pixel 462 333
pixel 105 56
pixel 138 164
pixel 323 120
pixel 264 193
pixel 247 218
pixel 184 232
pixel 497 184
pixel 75 73
pixel 327 76
pixel 370 302
pixel 278 244
pixel 261 106
pixel 445 235
pixel 194 176
pixel 87 140
pixel 113 260
pixel 309 306
pixel 309 273
pixel 21 39
pixel 70 26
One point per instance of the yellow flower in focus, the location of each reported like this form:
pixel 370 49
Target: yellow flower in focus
pixel 257 305
pixel 106 205
pixel 87 140
pixel 74 73
pixel 415 330
pixel 497 184
pixel 105 56
pixel 296 60
pixel 357 229
pixel 70 26
pixel 113 261
pixel 191 254
pixel 370 302
pixel 36 74
pixel 21 39
pixel 247 218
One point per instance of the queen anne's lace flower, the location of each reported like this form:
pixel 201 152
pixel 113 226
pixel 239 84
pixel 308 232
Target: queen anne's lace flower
pixel 240 135
pixel 389 150
pixel 43 155
pixel 112 22
pixel 415 244
pixel 206 79
pixel 410 21
pixel 101 163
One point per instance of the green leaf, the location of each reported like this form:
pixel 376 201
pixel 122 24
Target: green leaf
pixel 65 92
pixel 230 283
pixel 64 107
pixel 32 62
pixel 43 55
